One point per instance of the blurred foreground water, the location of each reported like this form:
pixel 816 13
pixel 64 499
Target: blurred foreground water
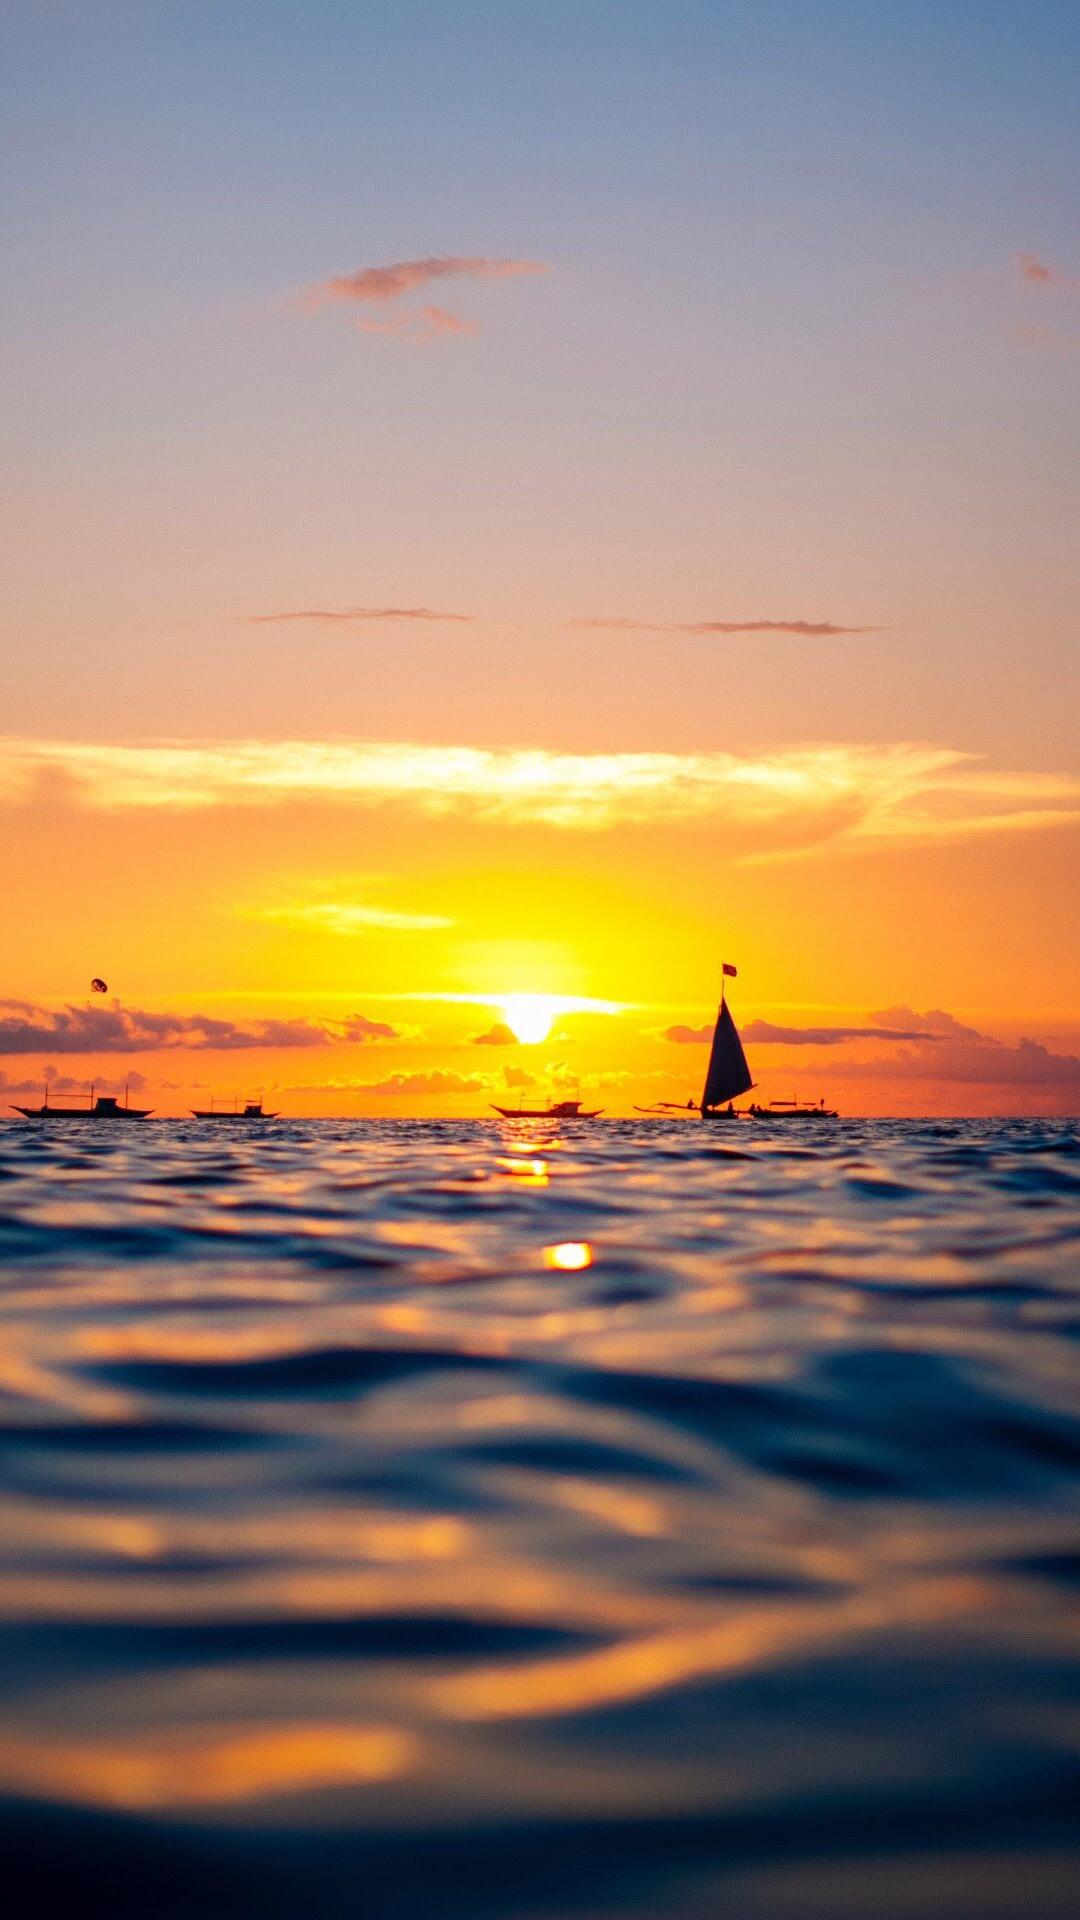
pixel 458 1521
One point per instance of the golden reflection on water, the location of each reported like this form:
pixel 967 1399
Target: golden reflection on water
pixel 193 1766
pixel 635 1668
pixel 532 1173
pixel 570 1256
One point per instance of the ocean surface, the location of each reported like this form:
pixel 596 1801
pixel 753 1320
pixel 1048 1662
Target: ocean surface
pixel 464 1521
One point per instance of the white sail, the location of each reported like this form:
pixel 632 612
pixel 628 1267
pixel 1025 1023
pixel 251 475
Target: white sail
pixel 728 1074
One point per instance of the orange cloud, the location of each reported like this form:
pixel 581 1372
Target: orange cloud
pixel 330 614
pixel 500 1035
pixel 1030 267
pixel 427 1083
pixel 765 1033
pixel 27 1029
pixel 439 321
pixel 431 323
pixel 810 629
pixel 400 277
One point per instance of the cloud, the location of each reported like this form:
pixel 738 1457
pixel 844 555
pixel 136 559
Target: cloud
pixel 348 917
pixel 935 1047
pixel 811 629
pixel 500 1035
pixel 936 1022
pixel 766 1034
pixel 518 1077
pixel 426 1083
pixel 430 323
pixel 360 1031
pixel 351 614
pixel 440 322
pixel 822 795
pixel 63 1083
pixel 27 1029
pixel 939 1047
pixel 401 277
pixel 1034 270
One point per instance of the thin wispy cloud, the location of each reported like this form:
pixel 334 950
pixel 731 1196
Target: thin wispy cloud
pixel 1036 272
pixel 808 629
pixel 389 287
pixel 419 325
pixel 333 615
pixel 765 1033
pixel 348 917
pixel 29 1029
pixel 808 797
pixel 400 277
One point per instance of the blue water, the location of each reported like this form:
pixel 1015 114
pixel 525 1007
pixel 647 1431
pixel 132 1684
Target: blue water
pixel 357 1562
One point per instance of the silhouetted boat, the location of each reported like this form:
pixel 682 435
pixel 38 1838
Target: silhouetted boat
pixel 794 1110
pixel 252 1110
pixel 562 1110
pixel 105 1107
pixel 728 1076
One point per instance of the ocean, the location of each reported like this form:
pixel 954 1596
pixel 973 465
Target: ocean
pixel 464 1521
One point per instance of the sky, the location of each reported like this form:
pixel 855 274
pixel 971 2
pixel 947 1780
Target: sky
pixel 540 501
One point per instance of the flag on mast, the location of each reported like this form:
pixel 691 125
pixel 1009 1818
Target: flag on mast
pixel 732 972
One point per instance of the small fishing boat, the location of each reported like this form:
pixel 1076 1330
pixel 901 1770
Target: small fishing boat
pixel 562 1110
pixel 105 1107
pixel 794 1110
pixel 729 1076
pixel 251 1110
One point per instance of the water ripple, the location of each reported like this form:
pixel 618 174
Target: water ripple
pixel 463 1520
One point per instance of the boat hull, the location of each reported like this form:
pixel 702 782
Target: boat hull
pixel 544 1113
pixel 793 1113
pixel 235 1119
pixel 81 1113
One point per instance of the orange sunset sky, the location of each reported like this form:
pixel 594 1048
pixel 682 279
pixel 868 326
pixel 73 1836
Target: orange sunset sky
pixel 539 502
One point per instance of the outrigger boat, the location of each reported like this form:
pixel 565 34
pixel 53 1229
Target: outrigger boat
pixel 729 1076
pixel 562 1110
pixel 105 1107
pixel 251 1110
pixel 794 1110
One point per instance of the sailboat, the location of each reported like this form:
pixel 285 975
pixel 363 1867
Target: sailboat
pixel 729 1076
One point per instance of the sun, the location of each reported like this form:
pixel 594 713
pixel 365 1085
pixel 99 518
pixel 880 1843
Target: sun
pixel 531 1016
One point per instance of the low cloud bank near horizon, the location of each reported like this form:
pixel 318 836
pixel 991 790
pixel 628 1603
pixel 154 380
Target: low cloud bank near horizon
pixel 817 796
pixel 29 1029
pixel 936 1047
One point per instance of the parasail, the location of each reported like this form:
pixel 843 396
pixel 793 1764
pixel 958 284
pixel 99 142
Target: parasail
pixel 99 986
